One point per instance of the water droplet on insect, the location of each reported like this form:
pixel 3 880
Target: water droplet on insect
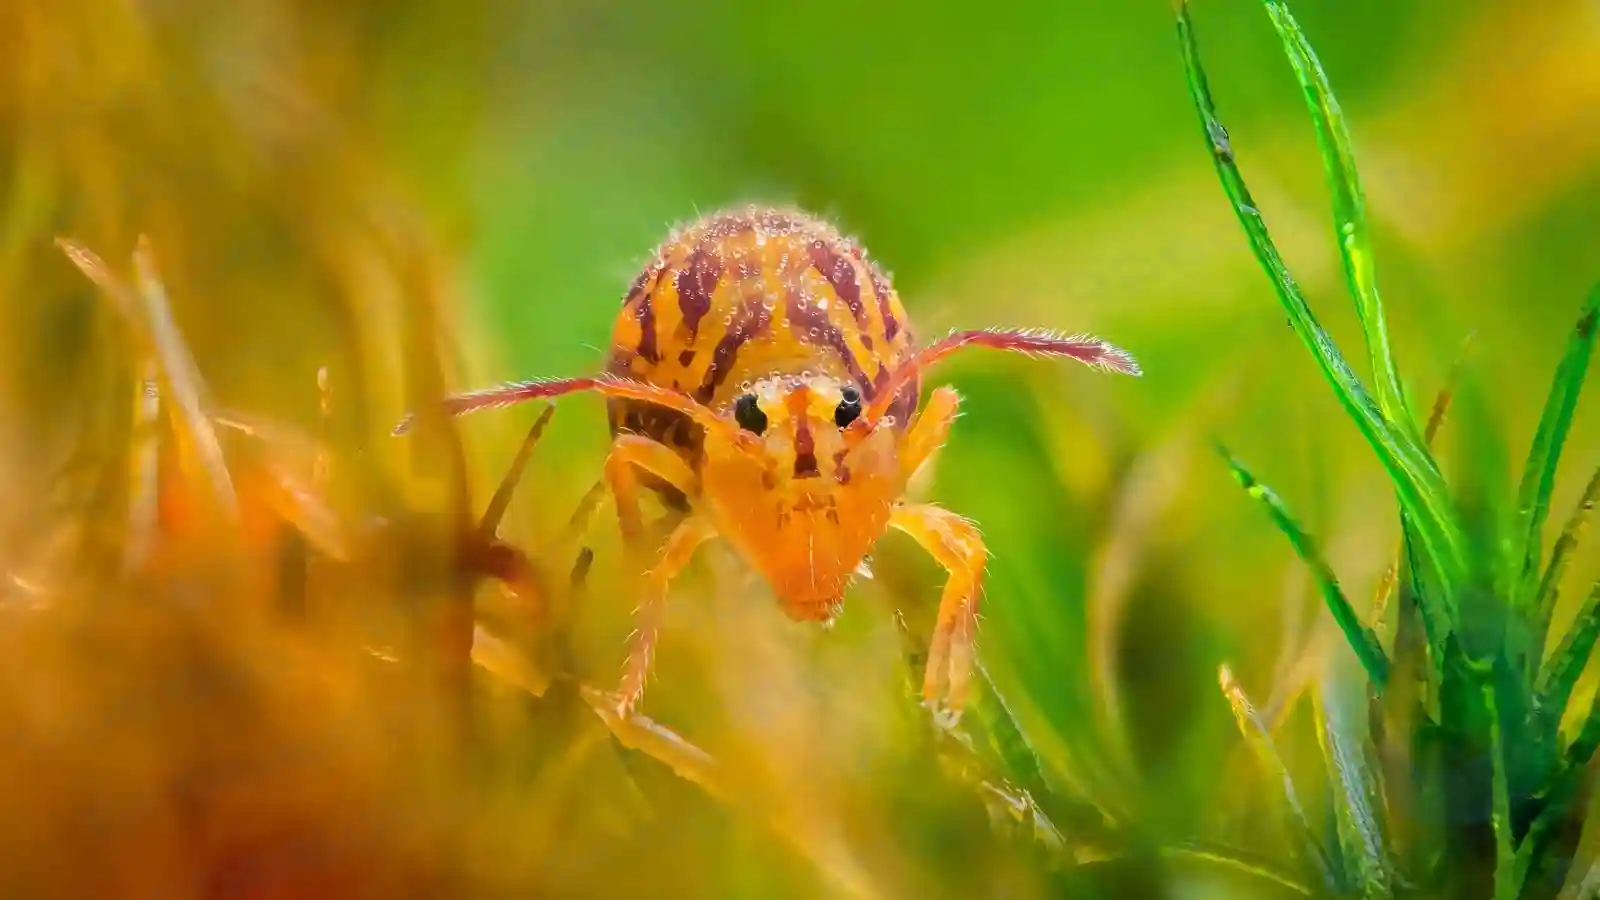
pixel 744 386
pixel 822 303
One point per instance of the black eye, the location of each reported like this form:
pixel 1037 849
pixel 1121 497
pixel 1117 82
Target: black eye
pixel 749 415
pixel 849 407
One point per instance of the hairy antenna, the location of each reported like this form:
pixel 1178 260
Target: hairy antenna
pixel 1090 351
pixel 514 392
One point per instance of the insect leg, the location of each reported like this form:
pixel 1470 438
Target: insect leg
pixel 628 451
pixel 927 434
pixel 675 555
pixel 954 542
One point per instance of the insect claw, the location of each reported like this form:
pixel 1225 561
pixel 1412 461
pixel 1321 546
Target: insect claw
pixel 944 717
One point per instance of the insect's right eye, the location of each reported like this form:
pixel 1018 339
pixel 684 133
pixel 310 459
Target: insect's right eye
pixel 749 415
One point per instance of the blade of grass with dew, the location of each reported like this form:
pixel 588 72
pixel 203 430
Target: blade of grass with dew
pixel 1436 416
pixel 1539 476
pixel 1000 758
pixel 1560 557
pixel 1558 794
pixel 1229 859
pixel 1505 887
pixel 1349 211
pixel 1259 740
pixel 1570 659
pixel 149 317
pixel 1361 639
pixel 1583 874
pixel 1342 731
pixel 144 456
pixel 184 381
pixel 1420 486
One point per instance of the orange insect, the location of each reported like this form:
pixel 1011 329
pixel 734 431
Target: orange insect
pixel 764 379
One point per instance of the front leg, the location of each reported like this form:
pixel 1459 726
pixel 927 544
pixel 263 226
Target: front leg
pixel 955 544
pixel 930 430
pixel 627 452
pixel 675 555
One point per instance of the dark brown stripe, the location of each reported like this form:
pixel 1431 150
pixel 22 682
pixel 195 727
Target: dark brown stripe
pixel 806 319
pixel 695 283
pixel 905 403
pixel 805 450
pixel 842 276
pixel 751 320
pixel 891 325
pixel 639 297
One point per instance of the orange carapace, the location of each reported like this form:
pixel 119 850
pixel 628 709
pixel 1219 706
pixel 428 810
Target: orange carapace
pixel 764 378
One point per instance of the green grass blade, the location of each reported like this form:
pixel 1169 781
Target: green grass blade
pixel 1344 734
pixel 1570 658
pixel 1539 476
pixel 1560 557
pixel 1505 880
pixel 1391 575
pixel 1418 482
pixel 1349 210
pixel 1258 738
pixel 1229 859
pixel 1559 794
pixel 1361 639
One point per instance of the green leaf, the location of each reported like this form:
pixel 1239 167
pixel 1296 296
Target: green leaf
pixel 1349 211
pixel 1561 676
pixel 1361 639
pixel 1539 476
pixel 1230 859
pixel 1505 881
pixel 1258 738
pixel 1560 555
pixel 1418 482
pixel 1559 793
pixel 1344 733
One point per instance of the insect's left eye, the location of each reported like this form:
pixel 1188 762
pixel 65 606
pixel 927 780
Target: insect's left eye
pixel 849 408
pixel 749 415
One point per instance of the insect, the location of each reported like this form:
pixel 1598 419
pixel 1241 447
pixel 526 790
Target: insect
pixel 765 380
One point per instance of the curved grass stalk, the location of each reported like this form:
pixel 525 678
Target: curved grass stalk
pixel 1349 211
pixel 1259 739
pixel 1539 474
pixel 1420 487
pixel 1561 553
pixel 1360 637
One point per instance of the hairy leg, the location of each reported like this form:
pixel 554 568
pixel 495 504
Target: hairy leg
pixel 675 555
pixel 620 478
pixel 627 452
pixel 955 543
pixel 928 433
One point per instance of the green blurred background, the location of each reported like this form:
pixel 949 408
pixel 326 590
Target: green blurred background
pixel 1012 164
